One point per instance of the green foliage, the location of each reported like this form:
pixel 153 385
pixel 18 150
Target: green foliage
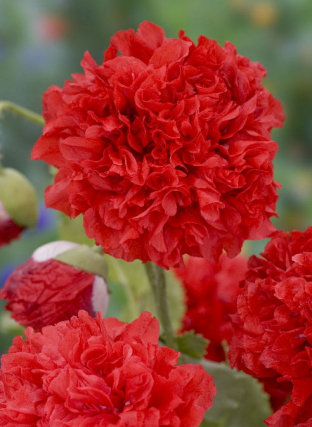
pixel 175 300
pixel 207 423
pixel 134 282
pixel 192 344
pixel 121 271
pixel 240 399
pixel 72 230
pixel 85 259
pixel 132 277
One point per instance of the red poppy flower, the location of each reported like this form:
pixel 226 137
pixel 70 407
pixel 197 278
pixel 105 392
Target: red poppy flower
pixel 273 324
pixel 211 293
pixel 90 372
pixel 165 149
pixel 43 290
pixel 291 415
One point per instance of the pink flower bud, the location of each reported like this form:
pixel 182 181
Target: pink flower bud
pixel 44 290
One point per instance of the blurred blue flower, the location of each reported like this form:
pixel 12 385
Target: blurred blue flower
pixel 46 221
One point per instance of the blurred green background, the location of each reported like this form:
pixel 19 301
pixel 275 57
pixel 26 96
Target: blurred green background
pixel 43 41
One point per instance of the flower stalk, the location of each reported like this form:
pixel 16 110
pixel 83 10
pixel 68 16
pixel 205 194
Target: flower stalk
pixel 157 280
pixel 21 111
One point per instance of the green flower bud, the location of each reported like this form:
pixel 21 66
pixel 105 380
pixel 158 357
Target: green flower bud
pixel 18 198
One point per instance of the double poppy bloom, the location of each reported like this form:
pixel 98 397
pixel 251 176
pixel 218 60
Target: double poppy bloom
pixel 273 325
pixel 90 372
pixel 165 149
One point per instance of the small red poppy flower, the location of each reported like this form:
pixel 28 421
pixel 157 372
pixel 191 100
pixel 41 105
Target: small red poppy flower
pixel 164 149
pixel 211 293
pixel 55 283
pixel 90 372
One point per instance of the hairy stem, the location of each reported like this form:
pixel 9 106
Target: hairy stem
pixel 157 280
pixel 21 111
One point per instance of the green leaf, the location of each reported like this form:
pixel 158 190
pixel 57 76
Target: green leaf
pixel 240 399
pixel 207 423
pixel 128 275
pixel 192 344
pixel 131 272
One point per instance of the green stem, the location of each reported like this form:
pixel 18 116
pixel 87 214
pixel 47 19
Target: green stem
pixel 156 276
pixel 21 111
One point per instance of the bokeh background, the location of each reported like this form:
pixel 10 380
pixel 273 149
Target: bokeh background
pixel 43 41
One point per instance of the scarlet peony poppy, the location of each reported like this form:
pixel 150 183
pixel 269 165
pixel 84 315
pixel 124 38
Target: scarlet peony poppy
pixel 90 372
pixel 165 149
pixel 211 292
pixel 43 290
pixel 273 324
pixel 292 415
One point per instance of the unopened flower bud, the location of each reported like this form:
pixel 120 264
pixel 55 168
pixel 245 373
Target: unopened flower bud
pixel 18 205
pixel 58 280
